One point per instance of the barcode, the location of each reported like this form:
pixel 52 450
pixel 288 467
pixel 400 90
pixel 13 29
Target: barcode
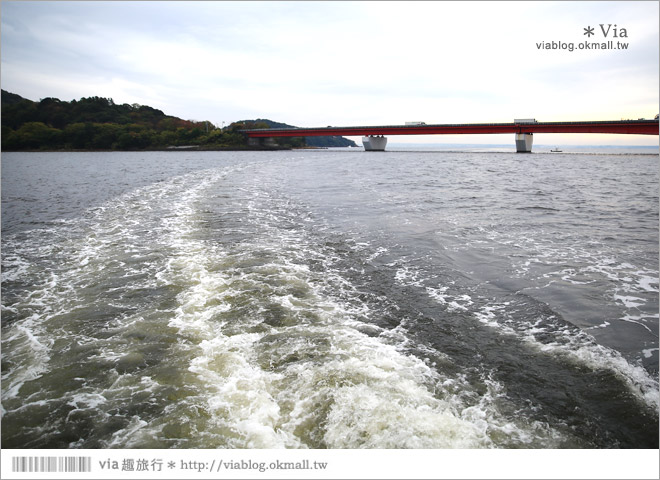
pixel 51 464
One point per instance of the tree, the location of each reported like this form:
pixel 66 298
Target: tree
pixel 105 136
pixel 134 140
pixel 78 135
pixel 16 114
pixel 32 135
pixel 53 112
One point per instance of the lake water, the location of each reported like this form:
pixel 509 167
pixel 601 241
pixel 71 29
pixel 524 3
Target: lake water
pixel 330 299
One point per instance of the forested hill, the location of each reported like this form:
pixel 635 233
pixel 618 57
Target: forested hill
pixel 97 123
pixel 310 141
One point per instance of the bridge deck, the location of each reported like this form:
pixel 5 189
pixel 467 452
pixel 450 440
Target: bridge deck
pixel 635 127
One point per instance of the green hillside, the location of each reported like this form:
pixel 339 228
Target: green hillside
pixel 97 123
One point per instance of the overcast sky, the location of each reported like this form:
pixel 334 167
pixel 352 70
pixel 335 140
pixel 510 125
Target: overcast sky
pixel 342 63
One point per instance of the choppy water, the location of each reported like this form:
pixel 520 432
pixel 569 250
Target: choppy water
pixel 329 299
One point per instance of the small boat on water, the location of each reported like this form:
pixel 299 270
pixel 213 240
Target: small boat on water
pixel 556 149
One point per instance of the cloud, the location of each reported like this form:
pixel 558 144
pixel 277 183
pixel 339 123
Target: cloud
pixel 319 63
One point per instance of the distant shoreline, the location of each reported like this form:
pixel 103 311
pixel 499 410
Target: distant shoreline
pixel 176 149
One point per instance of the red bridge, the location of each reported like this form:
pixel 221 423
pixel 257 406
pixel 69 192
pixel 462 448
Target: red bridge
pixel 524 130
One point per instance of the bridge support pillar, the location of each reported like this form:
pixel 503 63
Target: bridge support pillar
pixel 524 142
pixel 375 143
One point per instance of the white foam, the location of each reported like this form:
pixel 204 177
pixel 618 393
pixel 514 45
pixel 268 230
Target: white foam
pixel 377 253
pixel 580 348
pixel 364 417
pixel 630 301
pixel 325 379
pixel 86 400
pixel 30 353
pixel 605 324
pixel 440 295
pixel 125 438
pixel 328 378
pixel 639 320
pixel 60 263
pixel 648 352
pixel 408 277
pixel 647 283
